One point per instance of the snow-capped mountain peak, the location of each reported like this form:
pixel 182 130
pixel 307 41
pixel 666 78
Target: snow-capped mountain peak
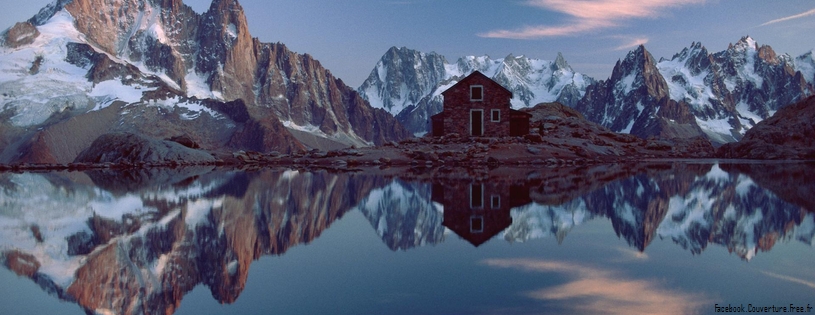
pixel 727 92
pixel 806 65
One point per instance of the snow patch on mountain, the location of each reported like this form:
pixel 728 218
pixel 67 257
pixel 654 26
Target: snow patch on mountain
pixel 806 231
pixel 376 100
pixel 60 211
pixel 685 214
pixel 348 137
pixel 718 130
pixel 232 31
pixel 197 86
pixel 195 110
pixel 36 81
pixel 683 85
pixel 747 117
pixel 106 92
pixel 626 84
pixel 806 64
pixel 536 221
pixel 403 214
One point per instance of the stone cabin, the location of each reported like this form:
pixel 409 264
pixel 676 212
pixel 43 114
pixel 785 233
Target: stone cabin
pixel 478 106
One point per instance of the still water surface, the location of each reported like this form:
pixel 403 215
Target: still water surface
pixel 667 238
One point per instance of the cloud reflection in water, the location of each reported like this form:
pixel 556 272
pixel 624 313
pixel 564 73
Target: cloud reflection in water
pixel 592 290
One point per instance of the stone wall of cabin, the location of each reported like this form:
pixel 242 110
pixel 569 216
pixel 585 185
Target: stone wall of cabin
pixel 457 108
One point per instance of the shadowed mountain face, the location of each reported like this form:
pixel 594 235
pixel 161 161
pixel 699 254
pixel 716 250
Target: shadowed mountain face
pixel 137 242
pixel 789 134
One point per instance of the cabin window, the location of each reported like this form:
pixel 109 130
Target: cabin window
pixel 476 93
pixel 495 202
pixel 477 224
pixel 495 115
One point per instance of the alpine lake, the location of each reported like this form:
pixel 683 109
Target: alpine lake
pixel 659 237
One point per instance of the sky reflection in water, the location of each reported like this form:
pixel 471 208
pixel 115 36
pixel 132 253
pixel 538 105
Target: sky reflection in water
pixel 650 239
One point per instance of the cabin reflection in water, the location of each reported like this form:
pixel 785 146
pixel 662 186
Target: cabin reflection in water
pixel 477 211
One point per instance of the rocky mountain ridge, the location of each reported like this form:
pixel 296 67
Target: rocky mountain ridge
pixel 731 91
pixel 147 52
pixel 719 95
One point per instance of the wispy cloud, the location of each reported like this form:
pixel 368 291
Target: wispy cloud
pixel 598 291
pixel 631 42
pixel 629 253
pixel 791 17
pixel 589 15
pixel 790 279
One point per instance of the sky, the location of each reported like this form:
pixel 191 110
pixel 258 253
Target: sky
pixel 348 37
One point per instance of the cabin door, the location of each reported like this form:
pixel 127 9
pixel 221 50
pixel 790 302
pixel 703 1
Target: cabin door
pixel 477 122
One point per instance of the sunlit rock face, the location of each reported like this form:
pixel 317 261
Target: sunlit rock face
pixel 631 92
pixel 160 69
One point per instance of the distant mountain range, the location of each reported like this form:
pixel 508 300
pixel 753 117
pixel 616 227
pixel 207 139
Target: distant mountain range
pixel 409 83
pixel 695 93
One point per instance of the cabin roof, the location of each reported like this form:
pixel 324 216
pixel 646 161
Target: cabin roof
pixel 471 77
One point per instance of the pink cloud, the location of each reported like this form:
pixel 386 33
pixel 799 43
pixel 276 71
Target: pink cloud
pixel 589 15
pixel 631 43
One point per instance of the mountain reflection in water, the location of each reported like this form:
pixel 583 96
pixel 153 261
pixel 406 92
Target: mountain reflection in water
pixel 137 242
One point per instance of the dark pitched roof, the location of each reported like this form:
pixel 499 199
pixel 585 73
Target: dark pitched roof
pixel 475 74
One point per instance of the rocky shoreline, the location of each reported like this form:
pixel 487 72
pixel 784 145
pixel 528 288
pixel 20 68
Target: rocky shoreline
pixel 420 152
pixel 560 136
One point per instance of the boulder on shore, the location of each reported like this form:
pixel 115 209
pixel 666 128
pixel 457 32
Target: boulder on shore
pixel 133 148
